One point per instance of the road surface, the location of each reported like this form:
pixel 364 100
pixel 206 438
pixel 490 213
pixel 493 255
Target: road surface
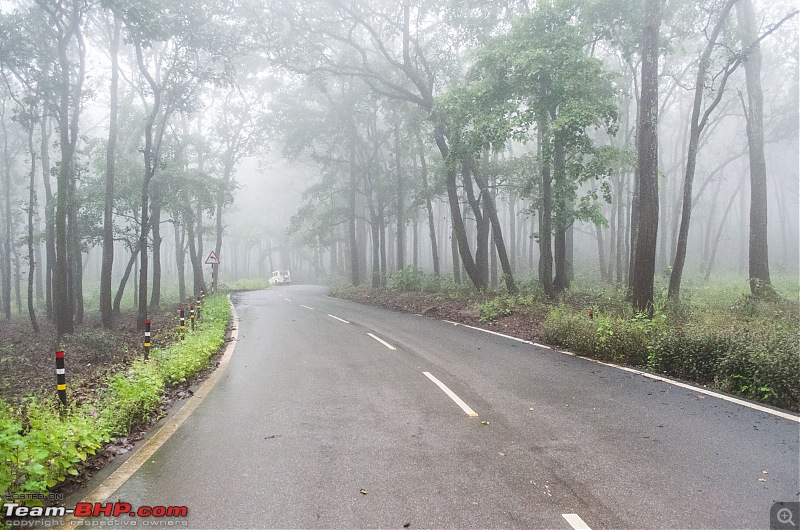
pixel 335 414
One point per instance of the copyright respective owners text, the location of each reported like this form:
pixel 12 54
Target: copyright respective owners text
pixel 784 516
pixel 19 513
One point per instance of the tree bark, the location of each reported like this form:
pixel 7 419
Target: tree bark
pixel 106 306
pixel 31 214
pixel 644 262
pixel 546 212
pixel 428 205
pixel 760 284
pixel 698 122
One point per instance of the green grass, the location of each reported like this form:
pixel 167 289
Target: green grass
pixel 41 445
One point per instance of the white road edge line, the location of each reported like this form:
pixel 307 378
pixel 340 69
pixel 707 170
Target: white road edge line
pixel 452 395
pixel 575 521
pixel 301 305
pixel 339 319
pixel 382 341
pixel 113 482
pixel 701 390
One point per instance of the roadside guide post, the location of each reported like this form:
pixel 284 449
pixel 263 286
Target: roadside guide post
pixel 182 320
pixel 147 339
pixel 191 314
pixel 61 378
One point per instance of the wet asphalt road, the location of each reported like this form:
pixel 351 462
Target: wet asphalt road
pixel 312 410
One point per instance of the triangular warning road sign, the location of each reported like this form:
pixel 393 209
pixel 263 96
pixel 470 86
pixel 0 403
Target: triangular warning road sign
pixel 212 258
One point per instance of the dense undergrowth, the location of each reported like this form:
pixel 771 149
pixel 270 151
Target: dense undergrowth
pixel 717 335
pixel 41 444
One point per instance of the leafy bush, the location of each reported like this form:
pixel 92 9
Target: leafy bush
pixel 408 279
pixel 41 451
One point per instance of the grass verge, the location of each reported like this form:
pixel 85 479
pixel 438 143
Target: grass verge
pixel 41 444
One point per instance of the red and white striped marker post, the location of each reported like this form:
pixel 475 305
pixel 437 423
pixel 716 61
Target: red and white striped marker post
pixel 147 339
pixel 61 378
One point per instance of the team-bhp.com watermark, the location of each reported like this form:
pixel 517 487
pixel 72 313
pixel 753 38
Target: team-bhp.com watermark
pixel 93 514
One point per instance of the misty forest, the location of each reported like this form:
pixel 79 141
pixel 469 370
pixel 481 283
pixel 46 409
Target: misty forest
pixel 614 177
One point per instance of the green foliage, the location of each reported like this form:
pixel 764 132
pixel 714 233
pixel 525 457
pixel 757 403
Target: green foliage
pixel 40 445
pixel 43 449
pixel 749 349
pixel 408 279
pixel 497 307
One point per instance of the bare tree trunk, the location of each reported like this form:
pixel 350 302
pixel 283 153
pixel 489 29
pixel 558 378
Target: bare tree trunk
pixel 5 264
pixel 155 293
pixel 760 284
pixel 698 122
pixel 546 213
pixel 428 206
pixel 715 245
pixel 106 306
pixel 400 189
pixel 49 215
pixel 643 272
pixel 561 279
pixel 31 213
pixel 180 255
pixel 124 280
pixel 355 274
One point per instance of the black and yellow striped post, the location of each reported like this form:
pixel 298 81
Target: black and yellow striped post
pixel 182 320
pixel 61 378
pixel 191 314
pixel 147 339
pixel 198 302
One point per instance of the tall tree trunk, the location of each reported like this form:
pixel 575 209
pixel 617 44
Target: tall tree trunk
pixel 400 190
pixel 713 251
pixel 644 264
pixel 124 280
pixel 459 230
pixel 760 284
pixel 155 220
pixel 697 124
pixel 499 243
pixel 546 212
pixel 481 226
pixel 31 214
pixel 355 273
pixel 179 231
pixel 106 306
pixel 375 232
pixel 561 279
pixel 428 206
pixel 75 255
pixel 49 216
pixel 8 235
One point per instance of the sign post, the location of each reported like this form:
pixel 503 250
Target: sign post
pixel 213 260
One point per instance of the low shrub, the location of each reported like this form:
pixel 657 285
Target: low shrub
pixel 408 279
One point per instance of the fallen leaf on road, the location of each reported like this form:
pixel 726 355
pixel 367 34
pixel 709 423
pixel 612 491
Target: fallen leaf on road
pixel 406 525
pixel 531 409
pixel 484 423
pixel 765 472
pixel 362 491
pixel 502 454
pixel 762 480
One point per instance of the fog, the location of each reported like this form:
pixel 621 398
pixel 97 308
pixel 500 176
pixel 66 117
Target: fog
pixel 348 140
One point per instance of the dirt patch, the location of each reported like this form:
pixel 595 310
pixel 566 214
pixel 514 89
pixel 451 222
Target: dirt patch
pixel 27 360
